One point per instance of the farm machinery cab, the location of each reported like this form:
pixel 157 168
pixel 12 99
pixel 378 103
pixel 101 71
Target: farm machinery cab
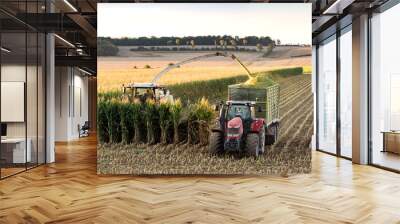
pixel 238 129
pixel 145 91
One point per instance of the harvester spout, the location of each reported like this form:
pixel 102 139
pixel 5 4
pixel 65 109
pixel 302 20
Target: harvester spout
pixel 217 54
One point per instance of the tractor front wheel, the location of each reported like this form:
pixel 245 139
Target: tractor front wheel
pixel 216 142
pixel 253 144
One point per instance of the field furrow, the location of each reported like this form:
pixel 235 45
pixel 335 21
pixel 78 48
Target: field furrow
pixel 293 107
pixel 289 129
pixel 299 131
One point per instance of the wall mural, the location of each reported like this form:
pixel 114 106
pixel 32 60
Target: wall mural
pixel 204 89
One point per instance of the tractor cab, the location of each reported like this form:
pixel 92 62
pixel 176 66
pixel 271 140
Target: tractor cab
pixel 146 91
pixel 245 110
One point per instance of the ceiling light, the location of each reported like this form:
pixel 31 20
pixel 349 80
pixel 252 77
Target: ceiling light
pixel 337 7
pixel 70 5
pixel 84 71
pixel 5 50
pixel 64 40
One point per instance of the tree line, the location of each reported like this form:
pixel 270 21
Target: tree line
pixel 193 40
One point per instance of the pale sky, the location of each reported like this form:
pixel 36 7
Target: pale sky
pixel 291 22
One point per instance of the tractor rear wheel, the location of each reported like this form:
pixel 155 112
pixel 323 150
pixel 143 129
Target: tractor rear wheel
pixel 253 144
pixel 216 142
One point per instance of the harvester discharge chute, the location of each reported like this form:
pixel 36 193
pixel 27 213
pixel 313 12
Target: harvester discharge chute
pixel 152 90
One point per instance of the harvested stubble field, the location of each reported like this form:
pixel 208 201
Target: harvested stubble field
pixel 290 155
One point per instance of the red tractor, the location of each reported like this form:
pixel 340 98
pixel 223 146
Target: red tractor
pixel 246 125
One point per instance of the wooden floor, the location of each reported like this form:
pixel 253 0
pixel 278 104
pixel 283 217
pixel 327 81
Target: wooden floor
pixel 5 172
pixel 69 191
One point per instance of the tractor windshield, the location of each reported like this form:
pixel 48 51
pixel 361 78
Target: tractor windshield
pixel 142 91
pixel 238 110
pixel 144 94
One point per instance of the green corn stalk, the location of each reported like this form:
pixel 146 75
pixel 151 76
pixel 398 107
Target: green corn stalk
pixel 192 118
pixel 124 128
pixel 102 122
pixel 126 111
pixel 110 95
pixel 202 114
pixel 206 115
pixel 137 119
pixel 176 113
pixel 114 121
pixel 165 120
pixel 150 117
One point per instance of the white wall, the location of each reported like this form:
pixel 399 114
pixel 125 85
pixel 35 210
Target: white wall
pixel 12 73
pixel 62 82
pixel 71 87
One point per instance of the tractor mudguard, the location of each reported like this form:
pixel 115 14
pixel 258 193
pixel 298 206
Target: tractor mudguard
pixel 257 125
pixel 217 126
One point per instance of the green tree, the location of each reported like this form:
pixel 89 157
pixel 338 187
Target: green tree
pixel 221 42
pixel 259 47
pixel 245 41
pixel 106 48
pixel 233 43
pixel 192 43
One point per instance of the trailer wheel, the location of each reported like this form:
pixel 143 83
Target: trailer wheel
pixel 276 133
pixel 262 140
pixel 216 142
pixel 271 134
pixel 253 144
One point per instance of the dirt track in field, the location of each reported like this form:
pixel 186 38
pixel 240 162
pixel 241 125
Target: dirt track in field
pixel 289 155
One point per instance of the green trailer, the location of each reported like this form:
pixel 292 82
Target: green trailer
pixel 266 98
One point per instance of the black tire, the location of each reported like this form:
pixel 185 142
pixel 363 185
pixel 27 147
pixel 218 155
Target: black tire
pixel 253 144
pixel 216 145
pixel 261 138
pixel 271 135
pixel 276 134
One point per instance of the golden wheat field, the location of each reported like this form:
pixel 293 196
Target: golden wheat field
pixel 115 71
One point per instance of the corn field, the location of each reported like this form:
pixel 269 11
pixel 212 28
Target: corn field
pixel 179 142
pixel 122 121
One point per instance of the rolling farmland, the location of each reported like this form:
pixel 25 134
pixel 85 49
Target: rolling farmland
pixel 130 66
